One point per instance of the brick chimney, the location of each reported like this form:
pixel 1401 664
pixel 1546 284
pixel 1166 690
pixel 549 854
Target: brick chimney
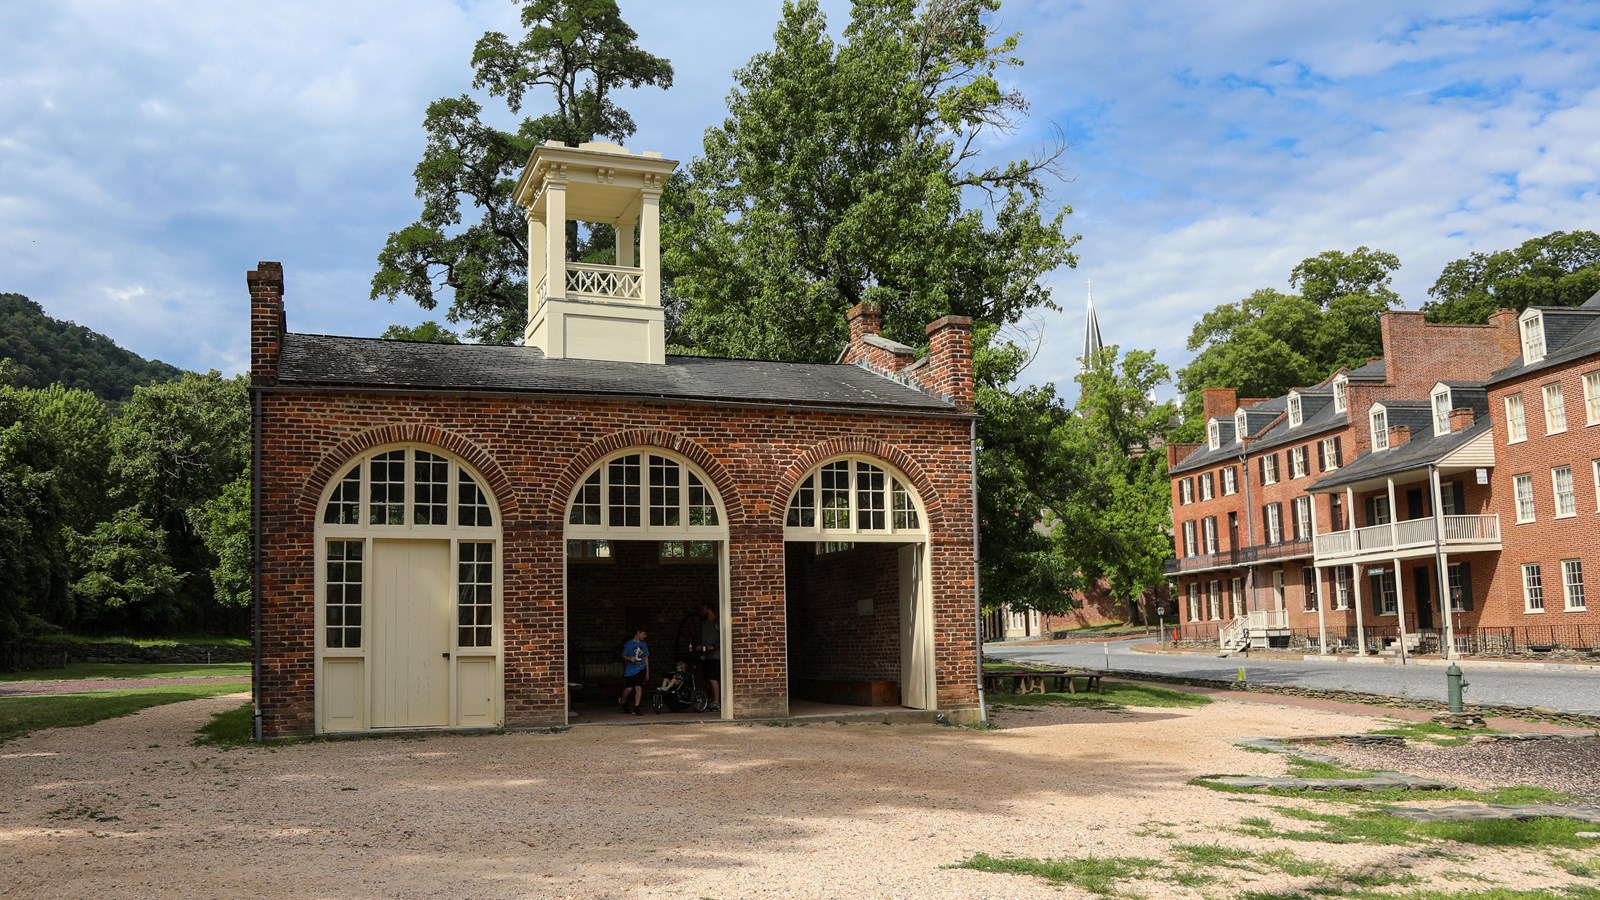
pixel 266 321
pixel 1461 419
pixel 1219 403
pixel 865 318
pixel 1507 333
pixel 1398 434
pixel 949 368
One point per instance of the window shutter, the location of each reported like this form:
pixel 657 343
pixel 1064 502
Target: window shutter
pixel 1458 496
pixel 1372 511
pixel 1377 594
pixel 1338 452
pixel 1466 582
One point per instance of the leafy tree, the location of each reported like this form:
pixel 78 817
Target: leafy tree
pixel 33 582
pixel 1121 521
pixel 47 351
pixel 425 333
pixel 582 51
pixel 224 525
pixel 175 449
pixel 842 174
pixel 127 573
pixel 1561 268
pixel 1271 342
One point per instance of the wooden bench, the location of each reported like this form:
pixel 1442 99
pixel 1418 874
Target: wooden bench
pixel 1033 681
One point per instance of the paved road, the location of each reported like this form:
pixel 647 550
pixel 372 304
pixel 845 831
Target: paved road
pixel 1573 691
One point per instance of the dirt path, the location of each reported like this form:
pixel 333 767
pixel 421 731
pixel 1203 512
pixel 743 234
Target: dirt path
pixel 128 808
pixel 45 688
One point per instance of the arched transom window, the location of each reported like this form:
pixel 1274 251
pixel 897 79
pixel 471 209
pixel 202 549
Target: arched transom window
pixel 645 492
pixel 855 497
pixel 406 489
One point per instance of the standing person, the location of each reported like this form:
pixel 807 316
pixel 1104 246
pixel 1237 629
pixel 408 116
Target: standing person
pixel 635 671
pixel 711 644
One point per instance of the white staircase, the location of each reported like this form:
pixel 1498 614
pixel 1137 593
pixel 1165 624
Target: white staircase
pixel 1252 630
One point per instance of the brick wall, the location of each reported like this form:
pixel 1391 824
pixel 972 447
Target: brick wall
pixel 844 613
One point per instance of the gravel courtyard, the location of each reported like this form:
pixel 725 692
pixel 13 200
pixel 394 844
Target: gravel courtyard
pixel 129 808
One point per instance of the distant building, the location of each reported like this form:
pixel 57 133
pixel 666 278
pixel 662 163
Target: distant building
pixel 1444 492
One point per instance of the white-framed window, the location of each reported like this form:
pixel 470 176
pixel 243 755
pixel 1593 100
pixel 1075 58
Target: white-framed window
pixel 1380 428
pixel 1532 588
pixel 343 594
pixel 1386 599
pixel 1516 420
pixel 1441 410
pixel 1295 417
pixel 1213 434
pixel 1566 495
pixel 1302 518
pixel 1341 587
pixel 1236 597
pixel 1272 517
pixel 1328 454
pixel 475 594
pixel 1532 337
pixel 1341 394
pixel 1193 591
pixel 1186 491
pixel 1269 469
pixel 1460 587
pixel 1208 533
pixel 650 492
pixel 1308 578
pixel 1241 425
pixel 1523 486
pixel 1555 409
pixel 1214 596
pixel 1591 398
pixel 1572 583
pixel 852 499
pixel 1208 487
pixel 1378 511
pixel 1596 465
pixel 1230 481
pixel 1188 539
pixel 1297 462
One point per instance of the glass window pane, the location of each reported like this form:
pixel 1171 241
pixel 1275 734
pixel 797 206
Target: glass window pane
pixel 387 480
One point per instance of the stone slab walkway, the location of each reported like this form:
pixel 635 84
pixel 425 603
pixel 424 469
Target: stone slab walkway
pixel 1385 781
pixel 1495 812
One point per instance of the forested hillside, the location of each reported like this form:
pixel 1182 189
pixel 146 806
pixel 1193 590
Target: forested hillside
pixel 47 351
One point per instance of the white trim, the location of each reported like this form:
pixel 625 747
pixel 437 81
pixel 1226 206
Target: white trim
pixel 1378 424
pixel 1531 325
pixel 854 532
pixel 1555 407
pixel 1341 394
pixel 1441 417
pixel 1516 419
pixel 1572 492
pixel 1522 495
pixel 1295 414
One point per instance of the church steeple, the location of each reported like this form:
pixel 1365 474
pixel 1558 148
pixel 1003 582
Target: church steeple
pixel 1091 334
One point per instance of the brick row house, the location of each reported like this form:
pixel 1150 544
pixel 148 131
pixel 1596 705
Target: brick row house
pixel 461 536
pixel 1464 464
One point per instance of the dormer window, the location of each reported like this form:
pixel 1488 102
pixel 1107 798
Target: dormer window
pixel 1341 394
pixel 1240 426
pixel 1380 429
pixel 1294 411
pixel 1441 410
pixel 1213 434
pixel 1532 337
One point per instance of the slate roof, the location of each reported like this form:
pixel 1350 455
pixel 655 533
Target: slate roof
pixel 373 362
pixel 1372 371
pixel 1417 452
pixel 1569 334
pixel 1316 416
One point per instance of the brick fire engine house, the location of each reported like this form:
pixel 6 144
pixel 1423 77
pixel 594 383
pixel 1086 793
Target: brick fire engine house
pixel 447 536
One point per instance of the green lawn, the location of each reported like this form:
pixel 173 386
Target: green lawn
pixel 22 715
pixel 204 640
pixel 1118 694
pixel 80 671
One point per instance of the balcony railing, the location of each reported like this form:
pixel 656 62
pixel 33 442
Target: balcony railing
pixel 1267 552
pixel 1224 559
pixel 1459 532
pixel 593 281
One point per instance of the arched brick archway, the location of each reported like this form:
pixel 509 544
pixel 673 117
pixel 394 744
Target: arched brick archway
pixel 560 493
pixel 339 455
pixel 861 446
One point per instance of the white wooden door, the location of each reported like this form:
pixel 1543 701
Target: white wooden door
pixel 410 651
pixel 1277 590
pixel 915 634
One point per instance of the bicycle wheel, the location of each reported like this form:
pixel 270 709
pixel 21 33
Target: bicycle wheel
pixel 699 700
pixel 658 702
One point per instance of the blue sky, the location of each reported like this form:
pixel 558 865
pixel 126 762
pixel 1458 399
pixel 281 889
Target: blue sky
pixel 152 152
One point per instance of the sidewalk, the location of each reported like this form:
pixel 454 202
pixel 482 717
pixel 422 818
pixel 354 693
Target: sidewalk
pixel 1474 662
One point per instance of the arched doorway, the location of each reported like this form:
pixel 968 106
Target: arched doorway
pixel 646 545
pixel 860 615
pixel 408 586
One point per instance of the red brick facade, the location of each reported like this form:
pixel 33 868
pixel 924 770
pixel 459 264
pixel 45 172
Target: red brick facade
pixel 1489 582
pixel 531 450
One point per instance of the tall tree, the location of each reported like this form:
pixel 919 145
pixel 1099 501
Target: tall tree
pixel 843 173
pixel 1270 341
pixel 1561 268
pixel 582 51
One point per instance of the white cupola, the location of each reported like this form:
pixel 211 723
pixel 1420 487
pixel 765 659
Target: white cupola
pixel 579 310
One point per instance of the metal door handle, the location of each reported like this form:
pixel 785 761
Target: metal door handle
pixel 445 654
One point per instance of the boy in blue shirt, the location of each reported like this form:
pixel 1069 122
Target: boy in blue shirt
pixel 635 671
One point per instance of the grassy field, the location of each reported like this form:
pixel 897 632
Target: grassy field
pixel 23 715
pixel 81 671
pixel 1117 694
pixel 203 640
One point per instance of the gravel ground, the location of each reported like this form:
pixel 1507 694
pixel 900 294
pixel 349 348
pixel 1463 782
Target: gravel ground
pixel 1572 766
pixel 128 808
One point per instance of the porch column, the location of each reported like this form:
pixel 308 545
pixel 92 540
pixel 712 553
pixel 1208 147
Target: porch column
pixel 1355 589
pixel 1399 601
pixel 1442 561
pixel 555 238
pixel 624 243
pixel 1322 617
